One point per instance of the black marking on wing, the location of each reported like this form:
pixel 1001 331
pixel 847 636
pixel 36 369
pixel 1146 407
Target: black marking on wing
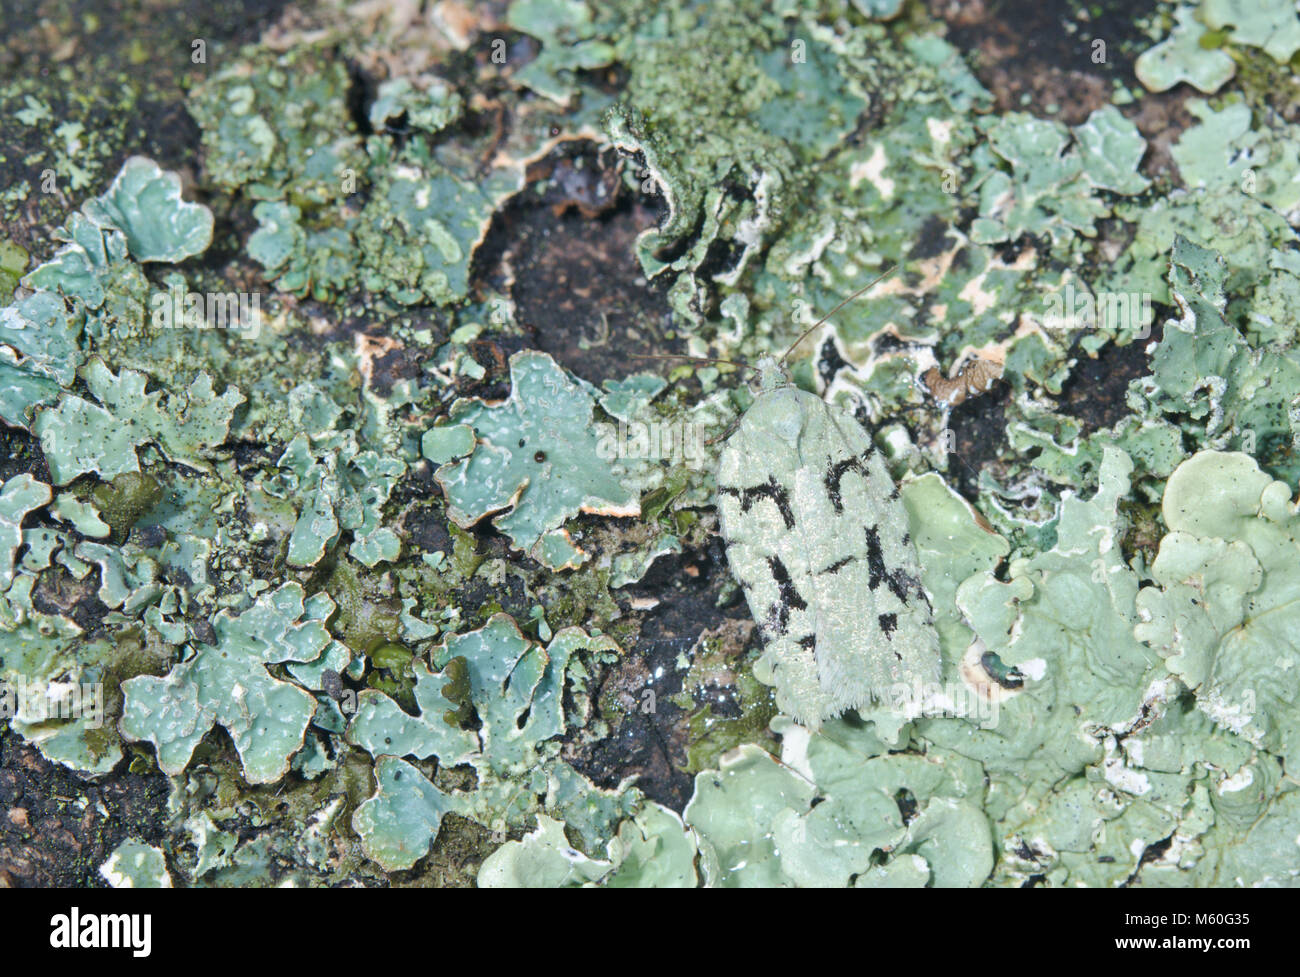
pixel 875 558
pixel 771 489
pixel 888 623
pixel 916 584
pixel 788 599
pixel 837 566
pixel 835 474
pixel 899 582
pixel 808 642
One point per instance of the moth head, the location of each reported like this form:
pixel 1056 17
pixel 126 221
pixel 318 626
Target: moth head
pixel 770 374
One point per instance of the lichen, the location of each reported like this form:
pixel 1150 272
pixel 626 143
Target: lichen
pixel 415 535
pixel 227 684
pixel 536 456
pixel 135 865
pixel 515 688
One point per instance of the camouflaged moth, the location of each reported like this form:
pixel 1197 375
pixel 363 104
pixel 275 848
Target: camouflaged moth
pixel 818 537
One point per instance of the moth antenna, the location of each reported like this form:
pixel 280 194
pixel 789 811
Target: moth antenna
pixel 871 284
pixel 692 359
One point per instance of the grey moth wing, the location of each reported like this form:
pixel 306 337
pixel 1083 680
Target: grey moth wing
pixel 818 537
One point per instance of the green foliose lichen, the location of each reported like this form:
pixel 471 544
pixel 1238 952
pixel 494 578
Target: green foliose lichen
pixel 400 555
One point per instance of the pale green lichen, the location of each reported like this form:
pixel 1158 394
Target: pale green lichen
pixel 430 108
pixel 52 699
pixel 1225 150
pixel 144 203
pixel 135 865
pixel 398 824
pixel 141 215
pixel 516 687
pixel 1227 389
pixel 569 44
pixel 338 485
pixel 285 120
pixel 39 354
pixel 1056 176
pixel 1228 571
pixel 1272 25
pixel 1113 599
pixel 228 684
pixel 445 444
pixel 543 860
pixel 18 496
pixel 651 850
pixel 1182 57
pixel 13 262
pixel 536 457
pixel 80 436
pixel 424 216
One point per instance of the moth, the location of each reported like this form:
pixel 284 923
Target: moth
pixel 818 538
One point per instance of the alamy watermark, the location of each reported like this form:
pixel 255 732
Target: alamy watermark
pixel 675 441
pixel 1072 308
pixel 934 699
pixel 39 701
pixel 179 308
pixel 75 930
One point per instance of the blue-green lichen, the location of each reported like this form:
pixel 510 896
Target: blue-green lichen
pixel 287 531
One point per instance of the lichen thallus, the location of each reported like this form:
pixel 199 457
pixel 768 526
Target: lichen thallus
pixel 771 371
